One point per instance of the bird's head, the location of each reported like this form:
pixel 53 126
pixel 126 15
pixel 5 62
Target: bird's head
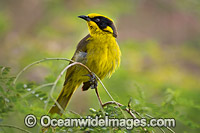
pixel 99 24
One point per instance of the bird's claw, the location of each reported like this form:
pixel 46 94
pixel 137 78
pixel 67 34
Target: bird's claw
pixel 93 81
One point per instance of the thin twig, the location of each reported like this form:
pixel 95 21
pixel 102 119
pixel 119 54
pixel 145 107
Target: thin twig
pixel 160 128
pixel 37 88
pixel 12 126
pixel 37 62
pixel 97 93
pixel 100 102
pixel 2 69
pixel 170 130
pixel 73 112
pixel 109 94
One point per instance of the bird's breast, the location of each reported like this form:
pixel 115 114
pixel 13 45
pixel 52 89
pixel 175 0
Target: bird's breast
pixel 103 56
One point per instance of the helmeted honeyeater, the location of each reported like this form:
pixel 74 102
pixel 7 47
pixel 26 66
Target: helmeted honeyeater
pixel 99 51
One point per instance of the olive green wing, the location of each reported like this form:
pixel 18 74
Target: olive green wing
pixel 81 47
pixel 79 56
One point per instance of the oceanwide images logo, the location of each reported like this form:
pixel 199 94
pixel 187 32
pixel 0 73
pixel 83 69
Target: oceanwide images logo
pixel 46 121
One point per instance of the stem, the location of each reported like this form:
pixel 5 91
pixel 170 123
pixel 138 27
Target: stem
pixel 161 128
pixel 37 62
pixel 97 93
pixel 100 102
pixel 110 95
pixel 37 88
pixel 73 112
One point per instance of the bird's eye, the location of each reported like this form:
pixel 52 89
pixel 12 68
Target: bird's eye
pixel 97 20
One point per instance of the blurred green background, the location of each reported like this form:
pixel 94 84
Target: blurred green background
pixel 159 40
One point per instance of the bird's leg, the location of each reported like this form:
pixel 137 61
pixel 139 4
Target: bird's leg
pixel 94 84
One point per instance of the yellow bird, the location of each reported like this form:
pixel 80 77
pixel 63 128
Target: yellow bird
pixel 99 51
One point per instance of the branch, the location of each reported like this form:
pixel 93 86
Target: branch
pixel 37 62
pixel 11 126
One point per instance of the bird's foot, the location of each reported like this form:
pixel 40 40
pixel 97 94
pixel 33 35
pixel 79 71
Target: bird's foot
pixel 93 81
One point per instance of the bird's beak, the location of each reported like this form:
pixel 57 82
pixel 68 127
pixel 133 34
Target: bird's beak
pixel 85 17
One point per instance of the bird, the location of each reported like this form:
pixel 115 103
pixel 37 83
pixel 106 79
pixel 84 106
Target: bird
pixel 98 50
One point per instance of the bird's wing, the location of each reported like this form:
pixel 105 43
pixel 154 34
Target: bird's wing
pixel 81 47
pixel 79 56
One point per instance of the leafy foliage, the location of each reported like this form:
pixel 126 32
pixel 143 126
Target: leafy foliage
pixel 9 94
pixel 35 98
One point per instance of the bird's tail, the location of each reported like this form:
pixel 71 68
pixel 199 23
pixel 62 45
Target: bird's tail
pixel 63 98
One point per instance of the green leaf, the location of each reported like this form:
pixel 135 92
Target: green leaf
pixel 92 110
